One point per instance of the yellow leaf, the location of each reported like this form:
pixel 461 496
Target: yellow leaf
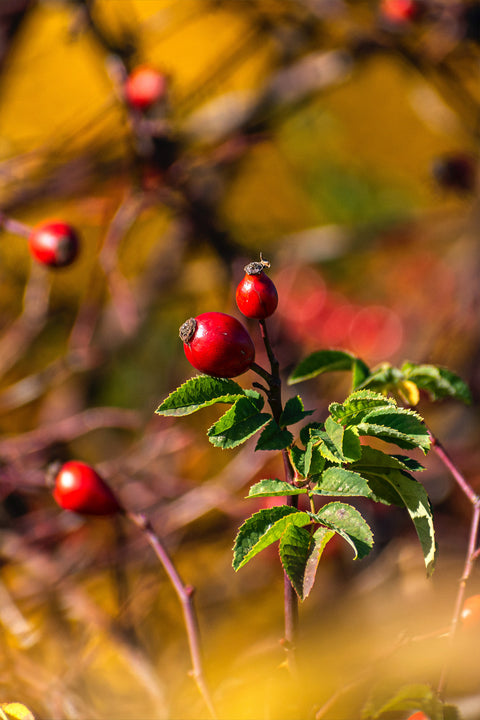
pixel 408 392
pixel 15 711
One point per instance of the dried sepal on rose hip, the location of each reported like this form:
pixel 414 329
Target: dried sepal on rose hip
pixel 79 488
pixel 256 294
pixel 144 87
pixel 217 344
pixel 54 243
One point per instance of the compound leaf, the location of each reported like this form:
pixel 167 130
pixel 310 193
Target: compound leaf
pixel 200 392
pixel 238 424
pixel 321 537
pixel 264 528
pixel 346 440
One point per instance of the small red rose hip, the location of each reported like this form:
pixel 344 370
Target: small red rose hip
pixel 144 87
pixel 217 344
pixel 54 243
pixel 419 715
pixel 470 615
pixel 400 11
pixel 256 296
pixel 79 488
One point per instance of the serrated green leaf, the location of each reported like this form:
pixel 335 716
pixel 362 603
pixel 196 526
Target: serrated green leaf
pixel 357 405
pixel 341 482
pixel 360 373
pixel 437 381
pixel 307 463
pixel 200 392
pixel 321 537
pixel 270 487
pixel 264 528
pixel 295 547
pixel 293 412
pixel 324 361
pixel 345 440
pixel 403 427
pixel 238 424
pixel 391 484
pixel 408 463
pixel 307 431
pixel 349 523
pixel 255 397
pixel 274 438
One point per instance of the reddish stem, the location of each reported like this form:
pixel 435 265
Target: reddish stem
pixel 471 553
pixel 15 226
pixel 185 595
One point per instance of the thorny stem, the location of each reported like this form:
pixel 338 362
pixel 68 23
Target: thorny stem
pixel 274 395
pixel 185 595
pixel 470 557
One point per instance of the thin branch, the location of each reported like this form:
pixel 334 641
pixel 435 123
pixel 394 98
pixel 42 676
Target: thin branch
pixel 185 595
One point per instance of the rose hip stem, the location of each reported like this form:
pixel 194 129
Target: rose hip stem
pixel 185 595
pixel 274 395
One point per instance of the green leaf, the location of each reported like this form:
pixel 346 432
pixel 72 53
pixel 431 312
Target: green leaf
pixel 340 482
pixel 200 392
pixel 238 424
pixel 295 547
pixel 397 425
pixel 274 438
pixel 357 405
pixel 326 361
pixel 349 523
pixel 307 463
pixel 273 488
pixel 375 460
pixel 293 412
pixel 437 381
pixel 407 699
pixel 308 430
pixel 383 380
pixel 360 372
pixel 345 440
pixel 321 537
pixel 264 528
pixel 390 484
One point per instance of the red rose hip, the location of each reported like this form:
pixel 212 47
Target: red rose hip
pixel 217 344
pixel 144 87
pixel 54 243
pixel 470 615
pixel 256 296
pixel 79 488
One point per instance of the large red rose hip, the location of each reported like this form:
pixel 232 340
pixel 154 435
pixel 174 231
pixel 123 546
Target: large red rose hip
pixel 217 344
pixel 256 295
pixel 79 488
pixel 144 87
pixel 54 243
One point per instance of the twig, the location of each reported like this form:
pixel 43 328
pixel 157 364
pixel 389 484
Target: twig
pixel 470 557
pixel 185 595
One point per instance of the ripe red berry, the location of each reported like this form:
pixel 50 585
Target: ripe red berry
pixel 400 11
pixel 217 344
pixel 78 487
pixel 54 243
pixel 470 615
pixel 419 715
pixel 144 87
pixel 257 296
